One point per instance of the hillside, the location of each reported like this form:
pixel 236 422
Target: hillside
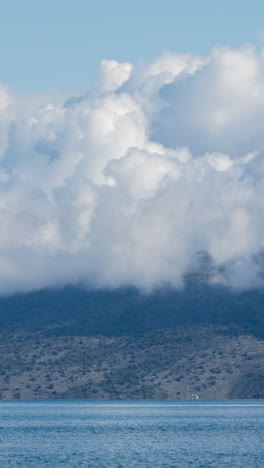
pixel 170 363
pixel 78 311
pixel 74 343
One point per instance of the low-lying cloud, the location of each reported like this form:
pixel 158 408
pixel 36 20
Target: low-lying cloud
pixel 155 168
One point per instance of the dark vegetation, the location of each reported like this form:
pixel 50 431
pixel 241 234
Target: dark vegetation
pixel 76 311
pixel 74 343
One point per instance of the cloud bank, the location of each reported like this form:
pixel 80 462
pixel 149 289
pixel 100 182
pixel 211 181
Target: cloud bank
pixel 155 169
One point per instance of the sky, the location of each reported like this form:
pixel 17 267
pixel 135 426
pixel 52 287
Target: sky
pixel 131 144
pixel 58 44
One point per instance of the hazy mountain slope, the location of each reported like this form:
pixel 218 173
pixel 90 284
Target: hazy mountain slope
pixel 74 343
pixel 76 311
pixel 186 362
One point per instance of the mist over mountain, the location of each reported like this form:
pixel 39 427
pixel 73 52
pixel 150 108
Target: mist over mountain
pixel 131 234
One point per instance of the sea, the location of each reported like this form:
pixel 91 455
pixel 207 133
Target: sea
pixel 144 433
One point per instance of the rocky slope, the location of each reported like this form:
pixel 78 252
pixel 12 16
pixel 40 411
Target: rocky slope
pixel 207 362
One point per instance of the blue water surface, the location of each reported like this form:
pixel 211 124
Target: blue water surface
pixel 83 433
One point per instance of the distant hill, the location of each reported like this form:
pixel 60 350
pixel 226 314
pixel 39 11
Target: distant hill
pixel 201 341
pixel 74 311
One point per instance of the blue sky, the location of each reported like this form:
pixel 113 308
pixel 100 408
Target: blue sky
pixel 57 44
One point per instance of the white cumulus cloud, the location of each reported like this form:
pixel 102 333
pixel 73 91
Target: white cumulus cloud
pixel 156 167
